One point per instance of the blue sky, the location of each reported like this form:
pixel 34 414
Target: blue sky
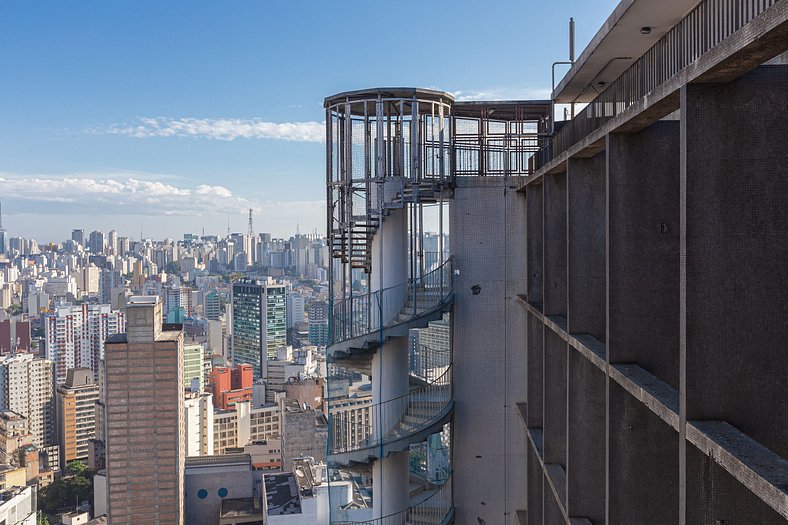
pixel 172 116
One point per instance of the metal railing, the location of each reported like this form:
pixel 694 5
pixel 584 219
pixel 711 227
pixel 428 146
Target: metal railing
pixel 433 464
pixel 494 147
pixel 432 511
pixel 391 420
pixel 706 26
pixel 361 315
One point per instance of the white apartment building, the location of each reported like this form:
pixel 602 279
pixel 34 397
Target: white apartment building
pixel 199 417
pixel 244 425
pixel 27 388
pixel 75 335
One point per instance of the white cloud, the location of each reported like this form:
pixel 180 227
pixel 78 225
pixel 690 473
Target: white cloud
pixel 218 129
pixel 117 193
pixel 502 94
pixel 220 191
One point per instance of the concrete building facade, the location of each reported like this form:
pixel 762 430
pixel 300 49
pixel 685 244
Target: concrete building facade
pixel 145 441
pixel 617 364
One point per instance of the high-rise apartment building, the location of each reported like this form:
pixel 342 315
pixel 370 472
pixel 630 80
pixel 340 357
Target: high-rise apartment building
pixel 14 336
pixel 78 236
pixel 616 364
pixel 318 323
pixel 295 309
pixel 193 366
pixel 212 305
pixel 112 243
pixel 198 418
pixel 259 322
pixel 177 297
pixel 76 414
pixel 97 243
pixel 27 388
pixel 145 442
pixel 74 335
pixel 111 282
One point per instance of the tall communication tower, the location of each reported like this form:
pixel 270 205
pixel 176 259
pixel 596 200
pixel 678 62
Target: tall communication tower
pixel 251 227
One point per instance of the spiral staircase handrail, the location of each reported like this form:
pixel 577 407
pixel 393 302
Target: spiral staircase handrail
pixel 361 315
pixel 425 404
pixel 438 506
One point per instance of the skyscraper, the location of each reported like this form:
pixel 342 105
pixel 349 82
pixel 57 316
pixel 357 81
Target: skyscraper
pixel 112 243
pixel 74 335
pixel 76 414
pixel 27 388
pixel 259 322
pixel 3 234
pixel 295 309
pixel 194 366
pixel 145 419
pixel 78 236
pixel 97 242
pixel 212 305
pixel 318 323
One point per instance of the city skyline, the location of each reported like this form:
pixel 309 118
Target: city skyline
pixel 132 118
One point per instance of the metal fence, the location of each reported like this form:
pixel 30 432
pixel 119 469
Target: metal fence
pixel 706 26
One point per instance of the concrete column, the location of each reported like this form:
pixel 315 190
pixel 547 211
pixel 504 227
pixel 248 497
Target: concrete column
pixel 734 156
pixel 642 319
pixel 390 262
pixel 390 482
pixel 389 381
pixel 489 337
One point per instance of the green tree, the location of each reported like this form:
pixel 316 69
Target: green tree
pixel 64 492
pixel 76 468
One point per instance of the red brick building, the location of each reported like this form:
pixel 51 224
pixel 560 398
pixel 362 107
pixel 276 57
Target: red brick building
pixel 231 385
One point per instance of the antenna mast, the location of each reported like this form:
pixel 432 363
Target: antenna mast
pixel 251 227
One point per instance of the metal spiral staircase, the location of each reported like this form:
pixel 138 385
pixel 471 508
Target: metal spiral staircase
pixel 387 157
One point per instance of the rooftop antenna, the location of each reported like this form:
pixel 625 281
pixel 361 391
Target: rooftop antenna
pixel 228 225
pixel 1 215
pixel 298 228
pixel 251 227
pixel 570 63
pixel 572 52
